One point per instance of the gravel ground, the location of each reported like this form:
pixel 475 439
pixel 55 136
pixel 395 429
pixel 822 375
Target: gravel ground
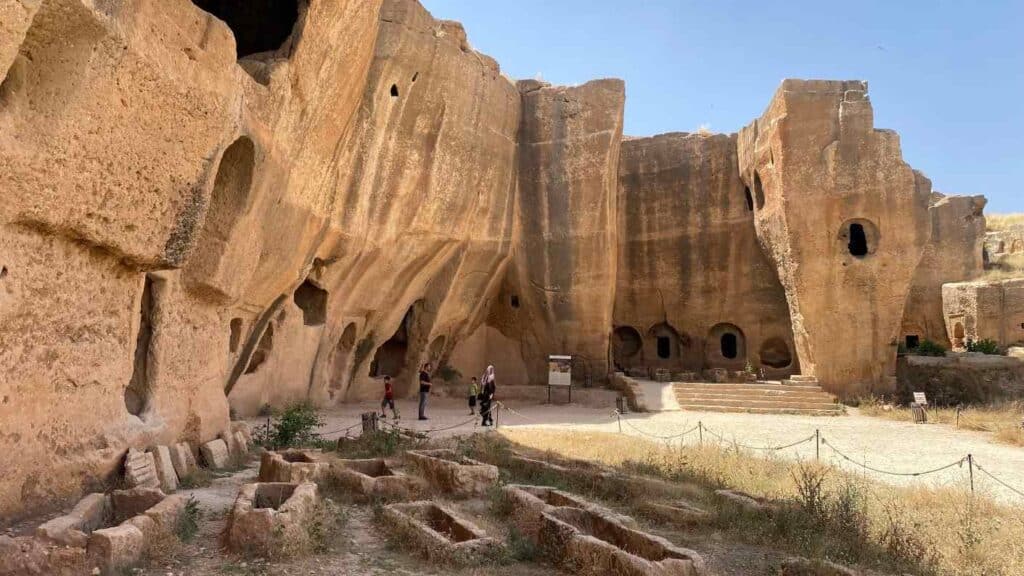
pixel 882 444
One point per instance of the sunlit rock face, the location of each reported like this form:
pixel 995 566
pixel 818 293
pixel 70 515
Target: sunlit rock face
pixel 694 290
pixel 203 211
pixel 844 219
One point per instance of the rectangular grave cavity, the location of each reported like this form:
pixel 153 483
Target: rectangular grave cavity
pixel 452 473
pixel 293 466
pixel 439 534
pixel 113 531
pixel 267 515
pixel 586 538
pixel 374 477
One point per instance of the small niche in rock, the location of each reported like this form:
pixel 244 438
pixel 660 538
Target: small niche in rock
pixel 3 272
pixel 313 302
pixel 394 90
pixel 514 301
pixel 415 77
pixel 137 393
pixel 236 334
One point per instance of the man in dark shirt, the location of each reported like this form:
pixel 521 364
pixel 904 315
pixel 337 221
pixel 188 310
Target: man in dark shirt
pixel 424 389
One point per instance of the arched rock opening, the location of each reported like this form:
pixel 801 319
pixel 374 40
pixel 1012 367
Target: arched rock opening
pixel 775 353
pixel 258 25
pixel 312 300
pixel 726 345
pixel 390 358
pixel 859 238
pixel 666 341
pixel 627 345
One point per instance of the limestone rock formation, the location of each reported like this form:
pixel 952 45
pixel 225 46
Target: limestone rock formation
pixel 204 211
pixel 844 219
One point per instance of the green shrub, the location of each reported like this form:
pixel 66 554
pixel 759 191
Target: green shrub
pixel 985 346
pixel 188 523
pixel 929 348
pixel 296 426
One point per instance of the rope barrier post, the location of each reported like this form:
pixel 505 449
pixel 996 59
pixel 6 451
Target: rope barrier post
pixel 497 415
pixel 618 417
pixel 700 431
pixel 817 444
pixel 970 469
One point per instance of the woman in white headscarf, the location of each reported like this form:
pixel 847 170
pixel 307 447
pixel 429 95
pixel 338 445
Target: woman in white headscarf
pixel 487 390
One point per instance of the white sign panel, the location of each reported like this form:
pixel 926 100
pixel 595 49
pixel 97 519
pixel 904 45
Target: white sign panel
pixel 919 398
pixel 559 370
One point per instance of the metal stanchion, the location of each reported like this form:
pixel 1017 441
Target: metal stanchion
pixel 618 417
pixel 970 468
pixel 817 444
pixel 700 431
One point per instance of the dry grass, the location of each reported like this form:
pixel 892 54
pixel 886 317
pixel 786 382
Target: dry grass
pixel 848 518
pixel 1003 421
pixel 996 222
pixel 1008 268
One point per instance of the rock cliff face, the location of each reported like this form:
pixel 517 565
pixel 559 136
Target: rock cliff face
pixel 845 221
pixel 205 210
pixel 694 289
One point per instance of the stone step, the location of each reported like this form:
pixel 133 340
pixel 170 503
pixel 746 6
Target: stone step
pixel 711 398
pixel 761 403
pixel 747 410
pixel 802 378
pixel 745 387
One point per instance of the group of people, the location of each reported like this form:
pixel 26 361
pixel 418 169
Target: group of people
pixel 480 391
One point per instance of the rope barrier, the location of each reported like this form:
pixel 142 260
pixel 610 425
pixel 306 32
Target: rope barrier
pixel 659 437
pixel 990 475
pixel 764 448
pixel 959 462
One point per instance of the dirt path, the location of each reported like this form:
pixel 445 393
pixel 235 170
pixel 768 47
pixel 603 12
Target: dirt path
pixel 901 447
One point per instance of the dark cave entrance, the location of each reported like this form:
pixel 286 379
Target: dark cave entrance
pixel 312 300
pixel 858 245
pixel 137 393
pixel 390 357
pixel 730 345
pixel 258 25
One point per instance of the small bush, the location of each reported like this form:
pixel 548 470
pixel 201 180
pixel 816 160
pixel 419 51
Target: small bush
pixel 199 478
pixel 295 427
pixel 188 523
pixel 929 348
pixel 986 346
pixel 449 374
pixel 520 548
pixel 380 444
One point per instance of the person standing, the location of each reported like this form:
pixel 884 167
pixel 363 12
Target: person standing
pixel 487 397
pixel 424 389
pixel 474 391
pixel 389 399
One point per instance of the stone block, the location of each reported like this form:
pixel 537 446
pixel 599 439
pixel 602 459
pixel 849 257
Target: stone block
pixel 117 548
pixel 167 512
pixel 215 454
pixel 165 468
pixel 72 529
pixel 717 375
pixel 268 514
pixel 183 460
pixel 241 442
pixel 146 525
pixel 135 501
pixel 439 534
pixel 140 469
pixel 452 474
pixel 292 466
pixel 245 428
pixel 374 478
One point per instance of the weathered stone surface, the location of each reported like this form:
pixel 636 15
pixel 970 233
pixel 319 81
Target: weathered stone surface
pixel 805 567
pixel 746 501
pixel 844 220
pixel 954 253
pixel 27 556
pixel 984 310
pixel 140 469
pixel 452 474
pixel 165 468
pixel 183 459
pixel 119 547
pixel 292 466
pixel 215 454
pixel 375 478
pixel 439 534
pixel 269 516
pixel 129 503
pixel 167 512
pixel 89 513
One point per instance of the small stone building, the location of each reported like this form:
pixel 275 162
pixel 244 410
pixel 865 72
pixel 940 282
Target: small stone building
pixel 984 310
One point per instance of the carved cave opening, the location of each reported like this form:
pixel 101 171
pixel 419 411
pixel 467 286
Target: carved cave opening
pixel 236 335
pixel 137 393
pixel 730 346
pixel 726 344
pixel 230 191
pixel 666 341
pixel 258 25
pixel 390 357
pixel 912 341
pixel 775 353
pixel 263 350
pixel 858 245
pixel 749 198
pixel 312 300
pixel 758 191
pixel 514 301
pixel 958 335
pixel 394 90
pixel 626 346
pixel 664 345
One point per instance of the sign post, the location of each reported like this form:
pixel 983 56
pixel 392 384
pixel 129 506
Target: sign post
pixel 560 374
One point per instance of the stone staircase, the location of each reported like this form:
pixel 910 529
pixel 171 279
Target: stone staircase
pixel 799 395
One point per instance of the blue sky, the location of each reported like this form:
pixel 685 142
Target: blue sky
pixel 947 75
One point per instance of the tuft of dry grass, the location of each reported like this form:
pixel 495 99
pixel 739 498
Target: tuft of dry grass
pixel 1003 421
pixel 830 514
pixel 997 222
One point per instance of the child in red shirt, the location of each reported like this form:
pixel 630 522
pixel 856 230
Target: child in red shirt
pixel 389 399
